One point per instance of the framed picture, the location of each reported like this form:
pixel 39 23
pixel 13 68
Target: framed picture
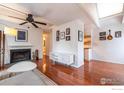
pixel 102 38
pixel 102 34
pixel 118 34
pixel 57 33
pixel 68 38
pixel 57 38
pixel 80 36
pixel 62 35
pixel 22 35
pixel 67 31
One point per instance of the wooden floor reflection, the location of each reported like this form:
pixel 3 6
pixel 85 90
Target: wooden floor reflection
pixel 91 73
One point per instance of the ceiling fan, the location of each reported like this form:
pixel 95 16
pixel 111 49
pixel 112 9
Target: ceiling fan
pixel 28 19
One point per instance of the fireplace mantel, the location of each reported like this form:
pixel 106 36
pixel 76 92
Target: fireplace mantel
pixel 20 45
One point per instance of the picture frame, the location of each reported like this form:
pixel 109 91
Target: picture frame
pixel 67 31
pixel 22 35
pixel 80 36
pixel 62 35
pixel 57 35
pixel 57 38
pixel 118 34
pixel 68 38
pixel 102 38
pixel 102 33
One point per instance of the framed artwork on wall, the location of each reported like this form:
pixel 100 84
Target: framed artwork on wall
pixel 67 31
pixel 109 36
pixel 57 38
pixel 22 35
pixel 118 34
pixel 102 38
pixel 57 35
pixel 68 38
pixel 80 36
pixel 62 35
pixel 102 34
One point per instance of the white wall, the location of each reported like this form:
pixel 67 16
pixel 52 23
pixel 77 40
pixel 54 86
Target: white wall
pixel 34 40
pixel 109 51
pixel 72 46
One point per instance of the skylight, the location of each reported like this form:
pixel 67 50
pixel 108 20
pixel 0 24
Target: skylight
pixel 108 9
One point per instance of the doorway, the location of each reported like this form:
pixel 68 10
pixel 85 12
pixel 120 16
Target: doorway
pixel 46 45
pixel 87 43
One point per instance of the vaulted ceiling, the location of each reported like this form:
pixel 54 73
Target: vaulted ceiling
pixel 53 13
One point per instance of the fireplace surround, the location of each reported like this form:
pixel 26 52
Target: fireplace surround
pixel 17 55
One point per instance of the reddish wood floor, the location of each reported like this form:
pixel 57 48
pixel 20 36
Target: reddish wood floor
pixel 91 73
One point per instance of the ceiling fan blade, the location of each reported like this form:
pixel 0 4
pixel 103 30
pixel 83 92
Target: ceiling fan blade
pixel 40 23
pixel 17 18
pixel 34 25
pixel 23 23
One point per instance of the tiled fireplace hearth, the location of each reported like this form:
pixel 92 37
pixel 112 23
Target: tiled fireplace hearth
pixel 17 55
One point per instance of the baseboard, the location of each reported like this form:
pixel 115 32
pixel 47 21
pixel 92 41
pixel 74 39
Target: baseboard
pixel 105 61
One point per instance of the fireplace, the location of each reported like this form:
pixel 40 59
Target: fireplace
pixel 17 55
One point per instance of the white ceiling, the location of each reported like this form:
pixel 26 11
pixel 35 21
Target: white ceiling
pixel 91 10
pixel 53 13
pixel 114 20
pixel 56 13
pixel 105 10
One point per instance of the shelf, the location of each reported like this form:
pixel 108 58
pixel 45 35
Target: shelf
pixel 87 42
pixel 21 45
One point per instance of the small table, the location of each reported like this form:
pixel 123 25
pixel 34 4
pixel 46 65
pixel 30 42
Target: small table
pixel 22 66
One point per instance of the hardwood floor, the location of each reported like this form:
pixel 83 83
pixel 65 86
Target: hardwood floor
pixel 91 73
